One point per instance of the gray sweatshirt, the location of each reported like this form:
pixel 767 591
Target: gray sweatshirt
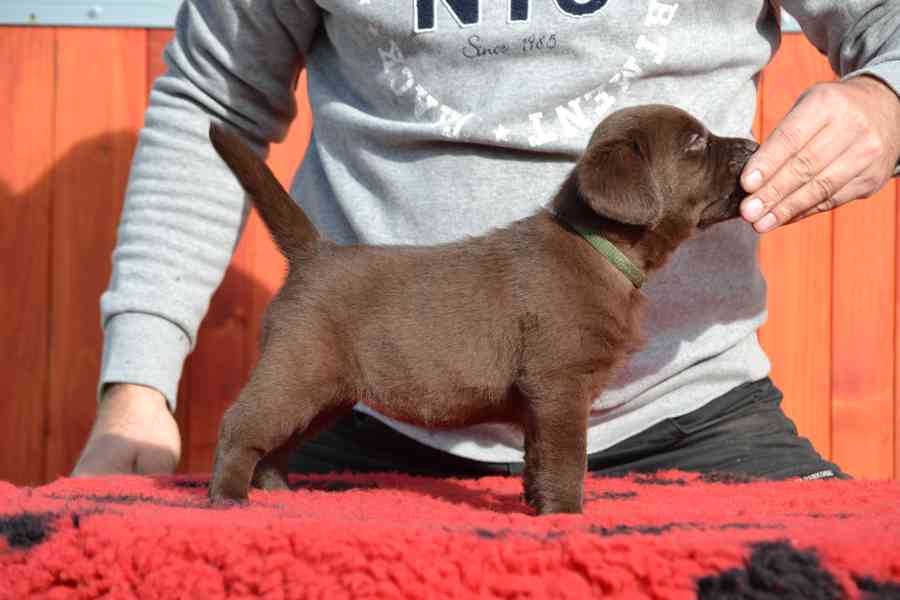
pixel 440 119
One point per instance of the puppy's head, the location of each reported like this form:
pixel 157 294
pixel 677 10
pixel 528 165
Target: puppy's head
pixel 656 166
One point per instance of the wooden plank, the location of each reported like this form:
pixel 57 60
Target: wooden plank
pixel 862 329
pixel 157 39
pixel 797 263
pixel 100 90
pixel 285 158
pixel 26 163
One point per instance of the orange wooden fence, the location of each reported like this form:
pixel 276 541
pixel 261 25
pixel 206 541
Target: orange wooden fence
pixel 71 102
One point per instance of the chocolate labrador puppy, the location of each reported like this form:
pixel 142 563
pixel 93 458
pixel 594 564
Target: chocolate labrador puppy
pixel 523 325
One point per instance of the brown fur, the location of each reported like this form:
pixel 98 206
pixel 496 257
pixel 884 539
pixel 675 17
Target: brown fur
pixel 523 325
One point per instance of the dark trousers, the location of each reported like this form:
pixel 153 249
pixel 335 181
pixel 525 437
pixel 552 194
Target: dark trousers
pixel 742 432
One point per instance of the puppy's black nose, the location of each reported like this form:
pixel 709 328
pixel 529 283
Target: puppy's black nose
pixel 749 146
pixel 741 151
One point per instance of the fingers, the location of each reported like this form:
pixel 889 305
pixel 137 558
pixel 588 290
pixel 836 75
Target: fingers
pixel 833 147
pixel 806 185
pixel 800 125
pixel 105 454
pixel 155 460
pixel 802 164
pixel 857 188
pixel 120 454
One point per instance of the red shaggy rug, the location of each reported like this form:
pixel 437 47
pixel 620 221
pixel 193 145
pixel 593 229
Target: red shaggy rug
pixel 670 535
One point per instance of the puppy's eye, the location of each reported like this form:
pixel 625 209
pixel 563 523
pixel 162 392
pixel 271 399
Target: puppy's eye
pixel 696 143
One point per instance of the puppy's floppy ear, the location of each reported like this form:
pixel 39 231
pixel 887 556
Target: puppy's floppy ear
pixel 615 181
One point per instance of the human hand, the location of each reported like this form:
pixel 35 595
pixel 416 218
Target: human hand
pixel 840 142
pixel 134 433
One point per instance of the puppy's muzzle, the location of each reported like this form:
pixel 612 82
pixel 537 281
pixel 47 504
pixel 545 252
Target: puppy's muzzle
pixel 741 151
pixel 727 205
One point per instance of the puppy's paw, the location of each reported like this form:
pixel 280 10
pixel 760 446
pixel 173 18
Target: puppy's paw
pixel 545 503
pixel 556 507
pixel 223 503
pixel 225 493
pixel 270 480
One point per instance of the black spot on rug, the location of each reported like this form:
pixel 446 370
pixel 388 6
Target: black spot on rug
pixel 877 590
pixel 774 570
pixel 26 529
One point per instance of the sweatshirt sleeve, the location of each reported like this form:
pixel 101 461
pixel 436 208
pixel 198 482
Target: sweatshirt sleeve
pixel 233 61
pixel 858 36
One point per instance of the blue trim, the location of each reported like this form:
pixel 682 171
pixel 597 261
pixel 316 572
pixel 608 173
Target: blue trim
pixel 101 13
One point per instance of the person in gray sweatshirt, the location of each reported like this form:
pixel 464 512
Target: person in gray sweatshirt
pixel 435 120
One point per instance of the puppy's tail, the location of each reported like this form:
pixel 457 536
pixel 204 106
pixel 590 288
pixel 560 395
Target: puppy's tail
pixel 289 225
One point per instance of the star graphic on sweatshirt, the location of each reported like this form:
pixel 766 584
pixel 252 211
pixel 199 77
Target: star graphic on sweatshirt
pixel 501 134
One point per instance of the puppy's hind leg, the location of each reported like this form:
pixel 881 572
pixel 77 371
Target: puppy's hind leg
pixel 272 470
pixel 270 473
pixel 278 405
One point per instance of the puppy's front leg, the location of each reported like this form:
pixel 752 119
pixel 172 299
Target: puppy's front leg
pixel 555 452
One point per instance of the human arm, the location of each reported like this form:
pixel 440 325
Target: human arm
pixel 237 62
pixel 841 140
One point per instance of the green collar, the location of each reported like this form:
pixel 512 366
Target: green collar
pixel 612 254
